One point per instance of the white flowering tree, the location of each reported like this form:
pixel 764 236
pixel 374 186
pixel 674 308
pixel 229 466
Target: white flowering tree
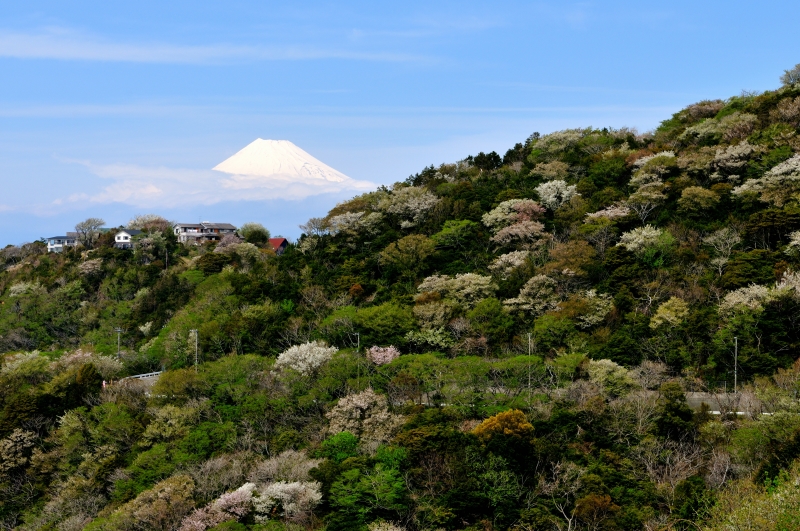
pixel 228 507
pixel 383 355
pixel 596 308
pixel 553 194
pixel 778 186
pixel 641 239
pixel 305 358
pixel 366 415
pixel 293 500
pixel 505 264
pixel 538 295
pixel 411 203
pixel 466 289
pixel 722 242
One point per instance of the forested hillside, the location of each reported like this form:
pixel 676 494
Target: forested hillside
pixel 498 343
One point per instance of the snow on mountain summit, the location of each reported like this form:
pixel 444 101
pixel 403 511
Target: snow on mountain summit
pixel 278 168
pixel 279 160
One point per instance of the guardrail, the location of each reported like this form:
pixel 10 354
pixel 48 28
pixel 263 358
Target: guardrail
pixel 142 376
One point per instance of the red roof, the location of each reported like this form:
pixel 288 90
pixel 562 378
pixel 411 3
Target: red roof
pixel 278 243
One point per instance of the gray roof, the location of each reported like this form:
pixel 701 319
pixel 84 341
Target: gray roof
pixel 132 232
pixel 60 238
pixel 219 226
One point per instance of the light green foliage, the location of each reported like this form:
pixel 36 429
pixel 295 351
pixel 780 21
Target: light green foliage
pixel 162 507
pixel 254 233
pixel 670 313
pixel 613 378
pixel 170 423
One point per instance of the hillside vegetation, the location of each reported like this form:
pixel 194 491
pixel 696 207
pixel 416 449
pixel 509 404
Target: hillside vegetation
pixel 499 343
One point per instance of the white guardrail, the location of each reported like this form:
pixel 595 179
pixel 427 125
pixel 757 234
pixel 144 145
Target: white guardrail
pixel 142 376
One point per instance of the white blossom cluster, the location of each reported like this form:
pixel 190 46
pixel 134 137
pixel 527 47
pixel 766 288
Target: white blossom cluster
pixel 289 465
pixel 525 233
pixel 778 185
pixel 789 283
pixel 25 288
pixel 788 110
pixel 552 170
pixel 793 247
pixel 355 222
pixel 91 267
pixel 733 126
pixel 305 358
pixel 512 211
pixel 640 238
pixel 383 525
pixel 638 163
pixel 410 202
pixel 553 194
pixel 610 212
pixel 436 338
pixel 537 296
pixel 513 221
pixel 228 507
pixel 466 289
pixel 383 355
pixel 599 305
pixel 652 169
pixel 293 500
pixel 505 264
pixel 106 366
pixel 752 297
pixel 366 415
pixel 734 158
pixel 560 141
pixel 24 363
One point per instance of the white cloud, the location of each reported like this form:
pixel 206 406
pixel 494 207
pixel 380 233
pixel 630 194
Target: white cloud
pixel 160 187
pixel 68 45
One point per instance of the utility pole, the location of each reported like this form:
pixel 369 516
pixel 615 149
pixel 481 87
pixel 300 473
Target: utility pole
pixel 194 330
pixel 529 369
pixel 735 364
pixel 118 330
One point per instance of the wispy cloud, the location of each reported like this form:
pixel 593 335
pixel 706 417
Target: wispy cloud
pixel 158 187
pixel 60 44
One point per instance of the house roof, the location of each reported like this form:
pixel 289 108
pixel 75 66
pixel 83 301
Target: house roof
pixel 277 243
pixel 60 238
pixel 207 225
pixel 131 232
pixel 219 226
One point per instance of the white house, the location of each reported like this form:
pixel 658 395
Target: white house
pixel 124 238
pixel 202 232
pixel 56 244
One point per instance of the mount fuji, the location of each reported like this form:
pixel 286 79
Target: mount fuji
pixel 281 165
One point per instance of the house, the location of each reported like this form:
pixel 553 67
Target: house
pixel 202 232
pixel 56 244
pixel 278 245
pixel 124 238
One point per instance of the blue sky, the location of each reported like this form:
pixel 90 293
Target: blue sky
pixel 95 93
